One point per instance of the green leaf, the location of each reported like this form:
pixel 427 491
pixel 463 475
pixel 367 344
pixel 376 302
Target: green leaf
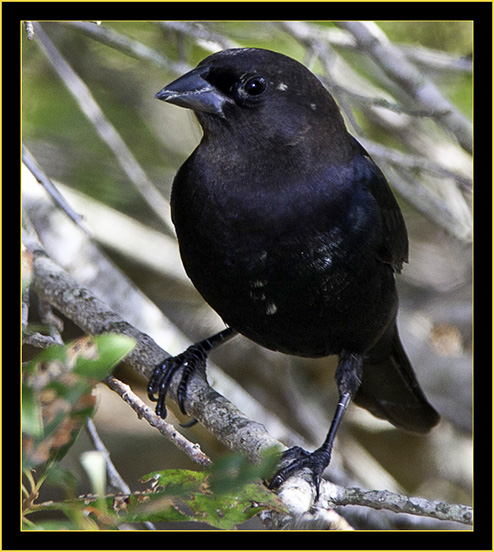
pixel 227 510
pixel 57 393
pixel 227 495
pixel 32 423
pixel 234 471
pixel 176 482
pixel 112 348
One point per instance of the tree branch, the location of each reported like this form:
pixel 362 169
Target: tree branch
pixel 398 503
pixel 393 62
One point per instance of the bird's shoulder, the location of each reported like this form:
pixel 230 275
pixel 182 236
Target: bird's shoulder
pixel 393 248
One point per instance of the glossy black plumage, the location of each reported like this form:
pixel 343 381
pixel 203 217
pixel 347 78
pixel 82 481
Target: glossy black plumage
pixel 290 232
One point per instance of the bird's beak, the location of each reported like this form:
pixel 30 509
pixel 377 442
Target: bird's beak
pixel 194 92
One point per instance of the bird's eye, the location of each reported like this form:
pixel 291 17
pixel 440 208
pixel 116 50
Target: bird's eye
pixel 255 86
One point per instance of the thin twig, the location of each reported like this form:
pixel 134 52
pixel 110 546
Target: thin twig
pixel 435 60
pixel 58 198
pixel 368 101
pixel 129 46
pixel 192 450
pixel 28 26
pixel 114 477
pixel 200 34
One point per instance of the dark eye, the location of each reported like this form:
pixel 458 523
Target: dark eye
pixel 255 86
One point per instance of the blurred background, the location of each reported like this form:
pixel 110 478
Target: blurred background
pixel 120 67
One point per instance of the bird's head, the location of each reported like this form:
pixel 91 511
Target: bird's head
pixel 257 93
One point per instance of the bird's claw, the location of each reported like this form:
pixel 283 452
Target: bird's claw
pixel 296 458
pixel 190 361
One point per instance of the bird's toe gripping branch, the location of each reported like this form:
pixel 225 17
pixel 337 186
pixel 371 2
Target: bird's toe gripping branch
pixel 295 459
pixel 190 361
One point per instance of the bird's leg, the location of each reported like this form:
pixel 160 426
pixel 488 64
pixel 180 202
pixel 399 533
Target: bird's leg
pixel 191 360
pixel 348 376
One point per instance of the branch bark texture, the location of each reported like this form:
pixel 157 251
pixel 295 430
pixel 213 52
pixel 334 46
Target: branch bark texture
pixel 402 504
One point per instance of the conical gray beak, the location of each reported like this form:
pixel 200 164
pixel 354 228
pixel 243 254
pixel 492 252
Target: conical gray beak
pixel 194 92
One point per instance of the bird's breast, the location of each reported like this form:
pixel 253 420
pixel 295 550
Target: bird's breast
pixel 286 268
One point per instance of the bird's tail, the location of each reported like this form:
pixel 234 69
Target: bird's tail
pixel 390 390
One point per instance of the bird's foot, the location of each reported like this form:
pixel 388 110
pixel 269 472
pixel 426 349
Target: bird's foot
pixel 190 361
pixel 296 458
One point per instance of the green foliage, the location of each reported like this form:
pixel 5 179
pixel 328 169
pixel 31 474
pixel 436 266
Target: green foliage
pixel 57 394
pixel 228 494
pixel 57 398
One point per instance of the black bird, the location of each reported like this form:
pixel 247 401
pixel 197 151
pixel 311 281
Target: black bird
pixel 290 232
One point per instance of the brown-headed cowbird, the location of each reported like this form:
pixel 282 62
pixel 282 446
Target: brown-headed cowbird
pixel 291 233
